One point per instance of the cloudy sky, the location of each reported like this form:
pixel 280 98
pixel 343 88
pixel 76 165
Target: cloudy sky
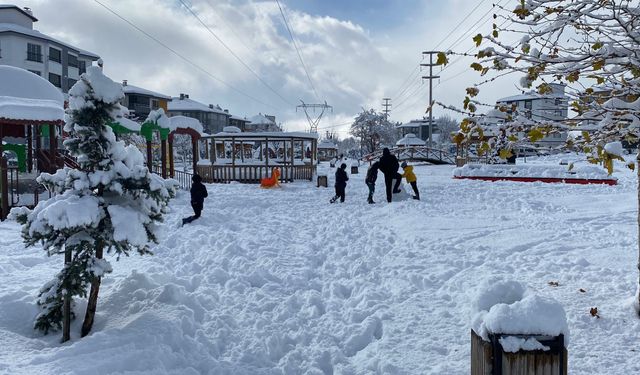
pixel 356 51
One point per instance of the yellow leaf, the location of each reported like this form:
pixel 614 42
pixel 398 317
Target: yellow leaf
pixel 458 138
pixel 598 64
pixel 478 39
pixel 608 164
pixel 495 33
pixel 442 59
pixel 570 166
pixel 631 166
pixel 586 136
pixel 472 91
pixel 535 135
pixel 505 154
pixel 573 76
pixel 476 66
pixel 597 45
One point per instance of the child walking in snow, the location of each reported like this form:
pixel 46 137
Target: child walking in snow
pixel 411 178
pixel 370 180
pixel 198 194
pixel 341 183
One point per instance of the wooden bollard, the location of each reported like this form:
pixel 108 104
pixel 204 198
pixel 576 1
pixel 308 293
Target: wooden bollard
pixel 354 169
pixel 322 181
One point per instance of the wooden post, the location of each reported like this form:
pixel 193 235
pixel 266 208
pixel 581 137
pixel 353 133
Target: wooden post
pixel 163 157
pixel 29 148
pixel 52 149
pixel 194 147
pixel 267 156
pixel 4 184
pixel 172 167
pixel 149 156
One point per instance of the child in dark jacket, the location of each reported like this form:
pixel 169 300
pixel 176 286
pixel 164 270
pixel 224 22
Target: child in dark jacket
pixel 341 183
pixel 198 194
pixel 370 180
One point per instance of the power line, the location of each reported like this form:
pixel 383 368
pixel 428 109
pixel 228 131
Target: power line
pixel 304 66
pixel 459 24
pixel 233 53
pixel 182 56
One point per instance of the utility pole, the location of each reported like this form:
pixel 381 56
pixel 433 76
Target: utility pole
pixel 386 106
pixel 430 77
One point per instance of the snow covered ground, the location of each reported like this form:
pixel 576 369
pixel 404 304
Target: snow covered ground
pixel 282 282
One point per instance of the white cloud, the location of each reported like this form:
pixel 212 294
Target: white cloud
pixel 351 66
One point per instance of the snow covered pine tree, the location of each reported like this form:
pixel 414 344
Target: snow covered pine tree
pixel 110 203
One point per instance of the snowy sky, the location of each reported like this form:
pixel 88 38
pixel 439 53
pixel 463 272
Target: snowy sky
pixel 356 51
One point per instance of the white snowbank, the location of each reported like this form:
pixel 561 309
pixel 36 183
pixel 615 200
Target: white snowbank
pixel 186 123
pixel 530 170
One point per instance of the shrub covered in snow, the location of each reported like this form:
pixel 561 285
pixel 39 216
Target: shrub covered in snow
pixel 110 203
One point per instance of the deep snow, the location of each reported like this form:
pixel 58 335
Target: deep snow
pixel 282 282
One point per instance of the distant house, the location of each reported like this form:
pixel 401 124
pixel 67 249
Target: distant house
pixel 142 101
pixel 21 46
pixel 213 118
pixel 419 127
pixel 238 122
pixel 262 123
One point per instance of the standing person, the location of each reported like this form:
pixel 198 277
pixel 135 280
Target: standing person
pixel 388 164
pixel 370 180
pixel 341 183
pixel 411 178
pixel 198 194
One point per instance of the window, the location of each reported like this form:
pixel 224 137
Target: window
pixel 71 82
pixel 73 60
pixel 34 52
pixel 55 79
pixel 558 101
pixel 36 72
pixel 527 104
pixel 55 55
pixel 155 104
pixel 82 67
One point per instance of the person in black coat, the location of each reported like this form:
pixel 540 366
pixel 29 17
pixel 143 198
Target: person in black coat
pixel 341 183
pixel 370 180
pixel 389 165
pixel 198 194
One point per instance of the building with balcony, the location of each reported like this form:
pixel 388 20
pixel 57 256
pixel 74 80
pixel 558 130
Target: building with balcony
pixel 212 117
pixel 142 101
pixel 23 47
pixel 262 123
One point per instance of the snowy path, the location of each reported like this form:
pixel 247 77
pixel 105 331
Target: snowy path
pixel 282 282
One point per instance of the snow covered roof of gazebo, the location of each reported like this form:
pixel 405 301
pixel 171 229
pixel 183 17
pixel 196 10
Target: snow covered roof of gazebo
pixel 327 144
pixel 410 139
pixel 27 96
pixel 186 123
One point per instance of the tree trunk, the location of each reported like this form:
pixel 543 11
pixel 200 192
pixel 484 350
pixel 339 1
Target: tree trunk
pixel 66 307
pixel 93 299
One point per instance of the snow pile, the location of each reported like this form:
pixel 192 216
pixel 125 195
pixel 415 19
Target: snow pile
pixel 532 171
pixel 103 89
pixel 614 148
pixel 505 307
pixel 159 118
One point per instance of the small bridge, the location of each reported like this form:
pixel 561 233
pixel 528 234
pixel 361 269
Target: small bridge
pixel 415 153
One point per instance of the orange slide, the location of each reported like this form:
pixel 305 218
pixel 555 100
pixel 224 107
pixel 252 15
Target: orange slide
pixel 272 181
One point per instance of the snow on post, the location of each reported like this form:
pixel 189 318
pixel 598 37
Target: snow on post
pixel 110 203
pixel 518 327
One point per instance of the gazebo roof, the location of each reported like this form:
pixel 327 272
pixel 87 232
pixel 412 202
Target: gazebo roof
pixel 186 123
pixel 326 144
pixel 28 98
pixel 264 135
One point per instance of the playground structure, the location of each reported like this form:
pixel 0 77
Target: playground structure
pixel 249 157
pixel 272 181
pixel 415 153
pixel 327 150
pixel 32 110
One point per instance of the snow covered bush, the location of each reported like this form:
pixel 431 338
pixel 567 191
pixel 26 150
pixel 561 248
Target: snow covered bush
pixel 111 203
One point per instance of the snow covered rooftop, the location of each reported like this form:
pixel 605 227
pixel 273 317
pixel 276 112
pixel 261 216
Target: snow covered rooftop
pixel 327 145
pixel 131 89
pixel 186 104
pixel 27 96
pixel 261 119
pixel 23 11
pixel 410 140
pixel 10 27
pixel 414 124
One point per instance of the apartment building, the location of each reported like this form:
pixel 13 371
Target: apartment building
pixel 212 117
pixel 23 47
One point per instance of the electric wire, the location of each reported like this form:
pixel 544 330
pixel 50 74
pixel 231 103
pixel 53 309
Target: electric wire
pixel 181 56
pixel 293 40
pixel 190 9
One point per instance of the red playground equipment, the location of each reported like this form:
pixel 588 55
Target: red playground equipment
pixel 272 181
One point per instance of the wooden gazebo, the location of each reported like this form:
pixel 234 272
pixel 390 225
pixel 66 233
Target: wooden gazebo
pixel 27 103
pixel 286 151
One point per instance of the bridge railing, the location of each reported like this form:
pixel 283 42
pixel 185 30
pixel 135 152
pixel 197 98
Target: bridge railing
pixel 418 153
